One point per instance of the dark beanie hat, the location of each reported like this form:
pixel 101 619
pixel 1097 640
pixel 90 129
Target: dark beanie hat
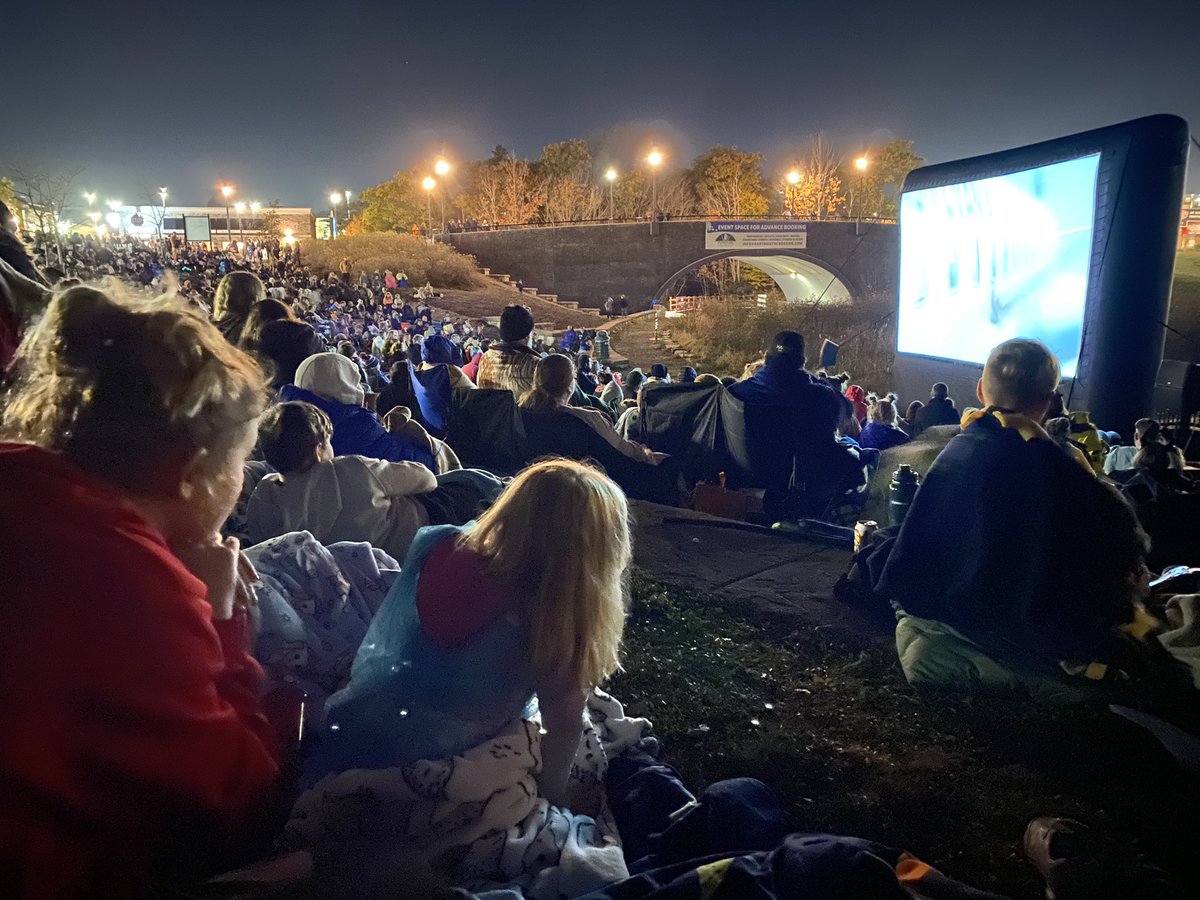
pixel 658 370
pixel 516 322
pixel 787 348
pixel 437 349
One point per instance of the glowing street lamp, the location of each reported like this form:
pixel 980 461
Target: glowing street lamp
pixel 861 164
pixel 90 197
pixel 792 179
pixel 611 176
pixel 654 159
pixel 227 192
pixel 114 205
pixel 429 184
pixel 162 195
pixel 442 168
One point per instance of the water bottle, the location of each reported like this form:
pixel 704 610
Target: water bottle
pixel 905 482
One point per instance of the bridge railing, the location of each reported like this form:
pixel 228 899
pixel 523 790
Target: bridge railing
pixel 645 220
pixel 683 305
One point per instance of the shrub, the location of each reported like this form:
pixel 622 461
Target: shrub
pixel 723 337
pixel 421 261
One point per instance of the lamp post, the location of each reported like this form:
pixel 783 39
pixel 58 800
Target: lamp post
pixel 791 179
pixel 334 199
pixel 862 163
pixel 654 159
pixel 90 197
pixel 611 177
pixel 162 195
pixel 227 192
pixel 442 168
pixel 240 208
pixel 429 184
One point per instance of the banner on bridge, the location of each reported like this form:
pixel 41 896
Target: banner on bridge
pixel 750 234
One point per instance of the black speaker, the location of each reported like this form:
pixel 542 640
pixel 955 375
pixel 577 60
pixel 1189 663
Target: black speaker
pixel 1177 391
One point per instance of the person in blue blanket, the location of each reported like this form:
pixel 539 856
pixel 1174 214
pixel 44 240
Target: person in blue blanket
pixel 488 622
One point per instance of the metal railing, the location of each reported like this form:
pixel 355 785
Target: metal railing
pixel 645 220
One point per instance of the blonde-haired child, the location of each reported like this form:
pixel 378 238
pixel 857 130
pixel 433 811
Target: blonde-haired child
pixel 524 607
pixel 128 427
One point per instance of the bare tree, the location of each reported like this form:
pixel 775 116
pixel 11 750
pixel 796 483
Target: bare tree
pixel 156 205
pixel 44 195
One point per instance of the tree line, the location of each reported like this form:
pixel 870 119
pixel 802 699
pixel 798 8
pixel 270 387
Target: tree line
pixel 567 183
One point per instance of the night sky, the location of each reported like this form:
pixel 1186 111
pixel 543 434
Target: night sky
pixel 290 100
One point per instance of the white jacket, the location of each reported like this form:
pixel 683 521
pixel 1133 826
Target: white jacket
pixel 349 498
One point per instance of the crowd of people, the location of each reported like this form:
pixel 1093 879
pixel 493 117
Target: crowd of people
pixel 295 593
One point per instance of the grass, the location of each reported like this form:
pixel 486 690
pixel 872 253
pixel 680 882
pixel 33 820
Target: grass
pixel 1184 316
pixel 420 260
pixel 829 722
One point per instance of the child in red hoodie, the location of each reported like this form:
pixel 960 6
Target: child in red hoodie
pixel 131 703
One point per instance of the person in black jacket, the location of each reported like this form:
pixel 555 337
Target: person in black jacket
pixel 939 410
pixel 280 341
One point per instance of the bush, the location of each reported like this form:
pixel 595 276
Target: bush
pixel 724 336
pixel 421 261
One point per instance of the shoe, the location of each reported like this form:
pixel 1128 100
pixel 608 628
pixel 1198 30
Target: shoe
pixel 1062 851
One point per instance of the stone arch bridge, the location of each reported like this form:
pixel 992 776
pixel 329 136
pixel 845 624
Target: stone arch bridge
pixel 845 261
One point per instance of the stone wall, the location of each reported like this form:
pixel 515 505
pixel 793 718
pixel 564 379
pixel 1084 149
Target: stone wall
pixel 590 262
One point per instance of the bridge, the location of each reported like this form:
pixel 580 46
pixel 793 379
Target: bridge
pixel 844 261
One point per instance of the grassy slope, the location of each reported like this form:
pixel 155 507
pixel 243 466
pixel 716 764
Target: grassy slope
pixel 1185 308
pixel 829 722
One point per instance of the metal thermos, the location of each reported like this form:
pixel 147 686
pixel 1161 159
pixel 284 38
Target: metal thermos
pixel 905 482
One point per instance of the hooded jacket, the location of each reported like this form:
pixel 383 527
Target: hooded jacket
pixel 129 710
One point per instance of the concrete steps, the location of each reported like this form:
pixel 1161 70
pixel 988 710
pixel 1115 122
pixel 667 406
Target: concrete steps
pixel 508 281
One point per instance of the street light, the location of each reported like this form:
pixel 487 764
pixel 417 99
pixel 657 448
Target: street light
pixel 90 198
pixel 429 184
pixel 861 164
pixel 227 192
pixel 789 190
pixel 162 195
pixel 611 177
pixel 654 158
pixel 240 208
pixel 114 205
pixel 442 168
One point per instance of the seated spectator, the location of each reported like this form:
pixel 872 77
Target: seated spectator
pixel 634 379
pixel 484 619
pixel 659 373
pixel 940 410
pixel 351 498
pixel 798 419
pixel 553 384
pixel 236 295
pixel 1145 432
pixel 134 736
pixel 438 350
pixel 881 432
pixel 584 375
pixel 1013 546
pixel 509 364
pixel 611 393
pixel 279 340
pixel 687 375
pixel 331 382
pixel 909 420
pixel 858 398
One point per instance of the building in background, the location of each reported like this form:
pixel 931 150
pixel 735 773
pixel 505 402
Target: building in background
pixel 207 224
